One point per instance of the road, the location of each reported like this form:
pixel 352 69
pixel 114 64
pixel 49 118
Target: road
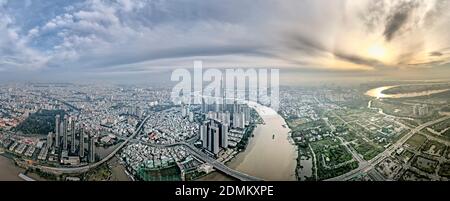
pixel 204 157
pixel 315 161
pixel 220 166
pixel 82 169
pixel 386 153
pixel 352 151
pixel 193 150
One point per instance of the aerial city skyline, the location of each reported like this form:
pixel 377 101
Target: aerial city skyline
pixel 136 40
pixel 155 90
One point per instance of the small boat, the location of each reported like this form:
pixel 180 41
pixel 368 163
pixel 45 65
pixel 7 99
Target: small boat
pixel 273 136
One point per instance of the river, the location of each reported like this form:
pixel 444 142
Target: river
pixel 9 171
pixel 378 93
pixel 270 155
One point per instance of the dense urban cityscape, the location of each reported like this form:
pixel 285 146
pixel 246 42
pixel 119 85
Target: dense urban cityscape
pixel 213 90
pixel 62 131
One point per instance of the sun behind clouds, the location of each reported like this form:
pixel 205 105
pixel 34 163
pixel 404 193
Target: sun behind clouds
pixel 377 51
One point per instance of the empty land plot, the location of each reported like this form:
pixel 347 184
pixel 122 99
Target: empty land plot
pixel 425 164
pixel 415 141
pixel 444 170
pixel 433 148
pixel 412 176
pixel 367 150
pixel 406 155
pixel 446 133
pixel 389 167
pixel 448 153
pixel 441 126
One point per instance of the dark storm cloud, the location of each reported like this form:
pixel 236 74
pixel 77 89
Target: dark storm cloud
pixel 181 52
pixel 429 63
pixel 359 60
pixel 372 16
pixel 301 43
pixel 399 18
pixel 436 54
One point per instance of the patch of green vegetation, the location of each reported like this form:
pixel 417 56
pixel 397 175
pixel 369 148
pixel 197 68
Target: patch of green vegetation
pixel 433 148
pixel 295 122
pixel 410 122
pixel 367 150
pixel 42 122
pixel 441 125
pixel 415 88
pixel 412 176
pixel 44 175
pixel 446 133
pixel 326 143
pixel 445 109
pixel 416 141
pixel 395 108
pixel 336 155
pixel 308 125
pixel 425 164
pixel 350 136
pixel 247 135
pixel 101 173
pixel 406 156
pixel 324 173
pixel 444 170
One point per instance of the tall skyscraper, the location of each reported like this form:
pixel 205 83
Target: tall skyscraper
pixel 214 135
pixel 57 130
pixel 224 95
pixel 212 115
pixel 73 143
pixel 236 107
pixel 49 140
pixel 238 120
pixel 91 149
pixel 61 134
pixel 227 119
pixel 420 110
pixel 217 104
pixel 204 135
pixel 64 131
pixel 246 115
pixel 191 116
pixel 224 118
pixel 81 152
pixel 223 135
pixel 204 107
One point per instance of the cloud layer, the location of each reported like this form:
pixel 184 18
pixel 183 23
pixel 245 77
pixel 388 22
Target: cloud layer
pixel 146 35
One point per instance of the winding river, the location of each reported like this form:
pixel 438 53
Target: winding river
pixel 270 154
pixel 9 171
pixel 378 93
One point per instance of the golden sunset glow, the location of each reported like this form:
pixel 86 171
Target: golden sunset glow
pixel 377 52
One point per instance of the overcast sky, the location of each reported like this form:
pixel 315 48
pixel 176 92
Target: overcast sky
pixel 128 37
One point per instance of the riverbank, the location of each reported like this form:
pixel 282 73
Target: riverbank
pixel 9 171
pixel 379 92
pixel 270 154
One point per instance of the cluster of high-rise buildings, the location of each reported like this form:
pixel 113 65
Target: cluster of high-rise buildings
pixel 420 110
pixel 66 134
pixel 186 112
pixel 219 119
